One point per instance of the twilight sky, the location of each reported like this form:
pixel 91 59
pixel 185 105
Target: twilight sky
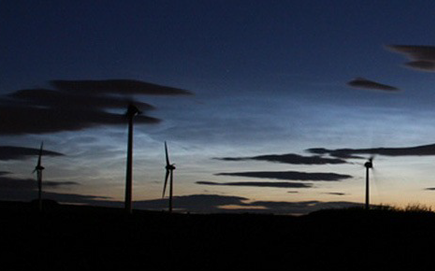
pixel 267 106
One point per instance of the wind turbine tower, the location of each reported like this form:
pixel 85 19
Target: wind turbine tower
pixel 368 165
pixel 38 169
pixel 132 111
pixel 169 174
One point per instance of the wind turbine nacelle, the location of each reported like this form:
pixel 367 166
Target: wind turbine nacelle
pixel 368 164
pixel 133 111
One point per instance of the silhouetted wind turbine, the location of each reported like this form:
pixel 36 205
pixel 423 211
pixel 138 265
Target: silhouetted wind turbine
pixel 169 173
pixel 132 111
pixel 368 165
pixel 38 169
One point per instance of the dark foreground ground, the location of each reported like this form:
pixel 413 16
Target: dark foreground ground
pixel 89 238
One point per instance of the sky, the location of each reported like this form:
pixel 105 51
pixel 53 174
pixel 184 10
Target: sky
pixel 266 106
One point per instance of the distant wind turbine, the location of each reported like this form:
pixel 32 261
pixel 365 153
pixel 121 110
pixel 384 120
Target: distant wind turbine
pixel 38 169
pixel 368 165
pixel 169 173
pixel 132 111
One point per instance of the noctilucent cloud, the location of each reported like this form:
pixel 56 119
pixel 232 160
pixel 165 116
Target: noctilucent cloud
pixel 266 106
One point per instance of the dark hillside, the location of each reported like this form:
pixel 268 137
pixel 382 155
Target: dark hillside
pixel 89 238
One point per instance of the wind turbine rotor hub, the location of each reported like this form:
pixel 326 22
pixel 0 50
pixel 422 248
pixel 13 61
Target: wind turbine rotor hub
pixel 170 167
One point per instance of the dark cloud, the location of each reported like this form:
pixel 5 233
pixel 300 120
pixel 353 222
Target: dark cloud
pixel 36 120
pixel 193 203
pixel 417 52
pixel 117 86
pixel 340 153
pixel 77 105
pixel 7 183
pixel 303 207
pixel 218 204
pixel 288 159
pixel 430 188
pixel 189 203
pixel 28 195
pixel 424 150
pixel 61 99
pixel 336 193
pixel 261 184
pixel 422 65
pixel 19 153
pixel 26 189
pixel 367 84
pixel 423 57
pixel 289 175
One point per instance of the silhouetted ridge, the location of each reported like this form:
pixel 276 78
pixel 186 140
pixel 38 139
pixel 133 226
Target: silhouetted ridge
pixel 84 237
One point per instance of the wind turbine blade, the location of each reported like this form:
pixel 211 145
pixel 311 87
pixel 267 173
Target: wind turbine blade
pixel 167 155
pixel 170 190
pixel 357 163
pixel 377 183
pixel 172 182
pixel 40 154
pixel 374 173
pixel 372 157
pixel 166 181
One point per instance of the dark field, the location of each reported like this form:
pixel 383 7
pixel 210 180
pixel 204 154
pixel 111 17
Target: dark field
pixel 92 238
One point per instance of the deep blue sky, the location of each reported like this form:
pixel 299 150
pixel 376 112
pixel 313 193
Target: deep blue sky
pixel 267 77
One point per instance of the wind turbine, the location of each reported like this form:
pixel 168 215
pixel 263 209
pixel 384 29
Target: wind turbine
pixel 38 169
pixel 169 173
pixel 132 111
pixel 368 165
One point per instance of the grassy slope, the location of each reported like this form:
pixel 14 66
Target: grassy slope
pixel 86 238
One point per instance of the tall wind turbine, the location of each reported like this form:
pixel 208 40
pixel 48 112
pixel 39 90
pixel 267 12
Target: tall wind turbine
pixel 169 173
pixel 38 169
pixel 132 111
pixel 368 165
